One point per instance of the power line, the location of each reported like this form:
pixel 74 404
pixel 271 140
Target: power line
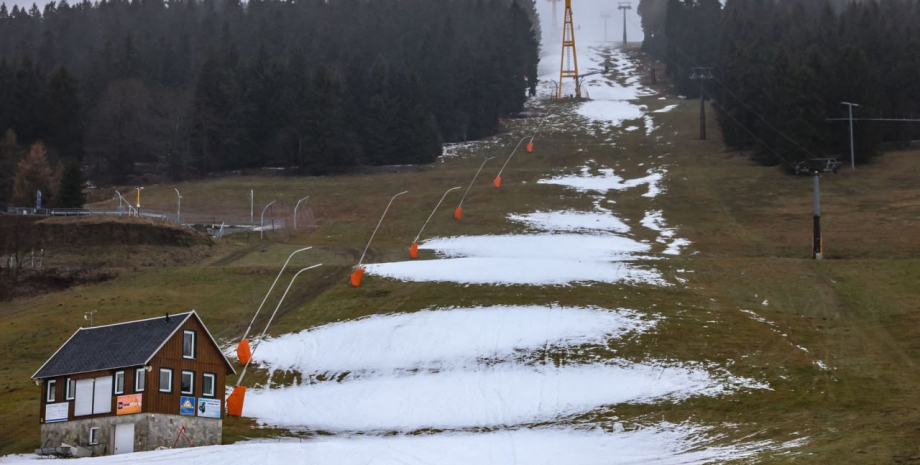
pixel 875 119
pixel 733 95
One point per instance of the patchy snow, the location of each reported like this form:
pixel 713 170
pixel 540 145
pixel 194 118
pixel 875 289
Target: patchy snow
pixel 665 109
pixel 444 338
pixel 675 246
pixel 653 220
pixel 542 246
pixel 573 221
pixel 649 125
pixel 491 396
pixel 543 259
pixel 611 111
pixel 605 181
pixel 516 271
pixel 663 444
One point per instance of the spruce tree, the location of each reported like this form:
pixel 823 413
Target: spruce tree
pixel 70 193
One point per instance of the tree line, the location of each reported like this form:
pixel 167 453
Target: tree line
pixel 783 67
pixel 191 87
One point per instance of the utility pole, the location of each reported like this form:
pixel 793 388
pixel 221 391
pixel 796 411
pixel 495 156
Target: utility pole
pixel 624 6
pixel 816 167
pixel 606 16
pixel 852 147
pixel 702 74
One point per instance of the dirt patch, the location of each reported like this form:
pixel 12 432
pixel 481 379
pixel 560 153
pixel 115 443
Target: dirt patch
pixel 109 230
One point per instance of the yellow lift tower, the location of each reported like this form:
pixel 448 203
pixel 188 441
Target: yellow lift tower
pixel 569 66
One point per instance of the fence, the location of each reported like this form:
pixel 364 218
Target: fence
pixel 120 211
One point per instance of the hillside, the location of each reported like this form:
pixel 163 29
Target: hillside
pixel 628 288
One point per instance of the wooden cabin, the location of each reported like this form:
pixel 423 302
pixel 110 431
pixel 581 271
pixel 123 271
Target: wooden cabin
pixel 134 386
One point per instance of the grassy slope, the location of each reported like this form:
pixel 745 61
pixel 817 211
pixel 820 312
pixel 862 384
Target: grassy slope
pixel 857 312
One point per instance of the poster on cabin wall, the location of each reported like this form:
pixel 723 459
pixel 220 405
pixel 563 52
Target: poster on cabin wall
pixel 208 408
pixel 130 403
pixel 186 405
pixel 56 412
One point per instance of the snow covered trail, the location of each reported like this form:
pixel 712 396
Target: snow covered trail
pixel 503 395
pixel 664 444
pixel 449 338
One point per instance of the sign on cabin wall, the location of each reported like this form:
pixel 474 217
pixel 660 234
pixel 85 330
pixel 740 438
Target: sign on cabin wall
pixel 208 408
pixel 186 405
pixel 56 412
pixel 130 403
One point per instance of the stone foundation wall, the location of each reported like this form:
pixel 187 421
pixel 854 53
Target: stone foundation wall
pixel 151 430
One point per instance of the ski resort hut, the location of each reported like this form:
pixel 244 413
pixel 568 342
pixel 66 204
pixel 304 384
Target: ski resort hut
pixel 133 386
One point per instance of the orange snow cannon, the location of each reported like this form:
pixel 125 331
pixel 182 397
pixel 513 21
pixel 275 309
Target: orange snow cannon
pixel 243 352
pixel 235 401
pixel 356 277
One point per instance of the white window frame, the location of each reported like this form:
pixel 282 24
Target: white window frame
pixel 94 435
pixel 213 378
pixel 194 334
pixel 160 380
pixel 139 386
pixel 70 389
pixel 115 390
pixel 191 374
pixel 50 387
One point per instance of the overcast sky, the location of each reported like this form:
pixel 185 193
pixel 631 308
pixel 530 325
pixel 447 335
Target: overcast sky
pixel 587 16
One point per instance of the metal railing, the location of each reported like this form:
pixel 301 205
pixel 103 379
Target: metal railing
pixel 120 211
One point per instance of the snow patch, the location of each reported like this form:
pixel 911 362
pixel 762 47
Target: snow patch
pixel 573 221
pixel 492 396
pixel 665 109
pixel 605 181
pixel 516 271
pixel 663 444
pixel 443 338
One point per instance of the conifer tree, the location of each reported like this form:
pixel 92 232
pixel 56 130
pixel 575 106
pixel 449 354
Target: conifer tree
pixel 70 193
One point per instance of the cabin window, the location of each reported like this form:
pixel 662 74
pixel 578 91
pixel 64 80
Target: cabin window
pixel 208 382
pixel 166 382
pixel 188 382
pixel 140 379
pixel 119 382
pixel 189 350
pixel 50 386
pixel 70 389
pixel 94 436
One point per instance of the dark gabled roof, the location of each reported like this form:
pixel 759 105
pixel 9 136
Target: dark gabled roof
pixel 120 345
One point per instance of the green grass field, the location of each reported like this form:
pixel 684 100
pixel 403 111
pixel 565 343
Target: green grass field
pixel 857 312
